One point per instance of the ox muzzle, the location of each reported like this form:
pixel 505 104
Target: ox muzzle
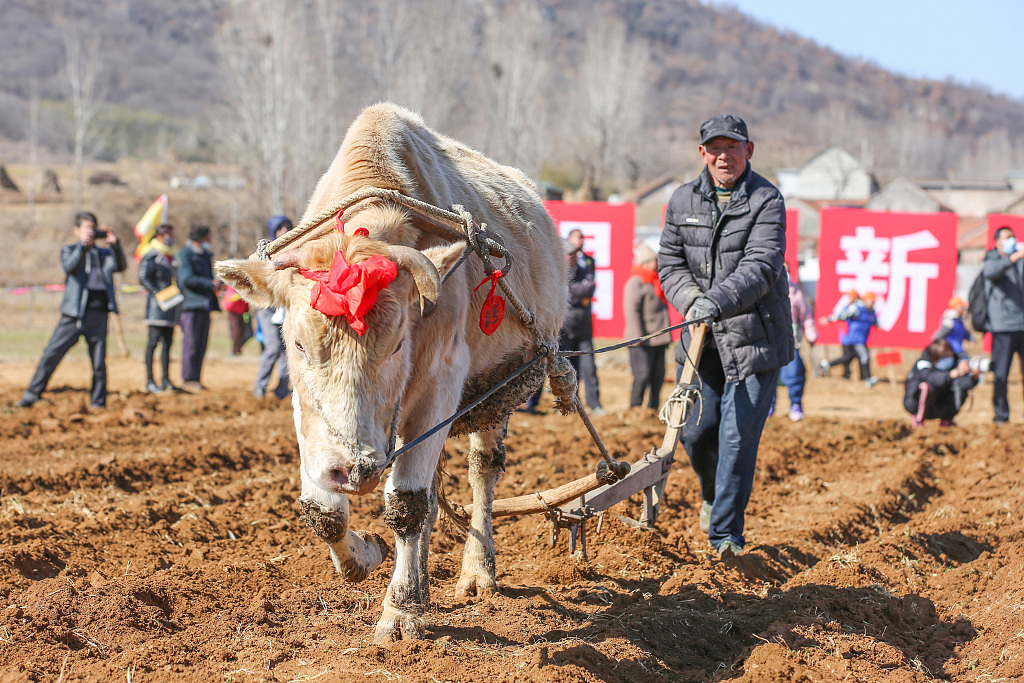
pixel 359 478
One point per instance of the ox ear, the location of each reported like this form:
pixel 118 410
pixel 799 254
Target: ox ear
pixel 258 282
pixel 444 258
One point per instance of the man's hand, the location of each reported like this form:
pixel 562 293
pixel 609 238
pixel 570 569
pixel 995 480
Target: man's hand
pixel 87 234
pixel 961 369
pixel 703 308
pixel 1016 256
pixel 111 235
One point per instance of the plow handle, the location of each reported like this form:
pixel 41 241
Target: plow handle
pixel 697 335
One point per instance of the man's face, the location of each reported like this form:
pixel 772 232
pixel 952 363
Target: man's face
pixel 1000 238
pixel 576 239
pixel 726 159
pixel 86 227
pixel 282 229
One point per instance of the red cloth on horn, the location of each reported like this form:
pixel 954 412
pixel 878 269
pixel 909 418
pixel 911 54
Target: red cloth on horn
pixel 350 289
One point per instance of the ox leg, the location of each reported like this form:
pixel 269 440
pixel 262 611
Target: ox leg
pixel 406 512
pixel 410 508
pixel 354 553
pixel 424 543
pixel 486 463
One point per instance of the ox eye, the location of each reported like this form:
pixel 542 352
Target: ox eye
pixel 298 345
pixel 398 348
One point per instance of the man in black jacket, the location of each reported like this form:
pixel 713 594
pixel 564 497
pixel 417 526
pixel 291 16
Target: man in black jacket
pixel 721 260
pixel 88 298
pixel 578 329
pixel 196 282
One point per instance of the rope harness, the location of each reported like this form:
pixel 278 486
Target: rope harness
pixel 457 225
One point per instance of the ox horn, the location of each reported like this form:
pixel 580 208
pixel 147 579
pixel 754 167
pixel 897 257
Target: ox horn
pixel 287 259
pixel 424 274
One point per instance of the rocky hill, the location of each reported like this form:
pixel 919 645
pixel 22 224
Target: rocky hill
pixel 168 88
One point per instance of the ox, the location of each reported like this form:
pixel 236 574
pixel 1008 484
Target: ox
pixel 419 349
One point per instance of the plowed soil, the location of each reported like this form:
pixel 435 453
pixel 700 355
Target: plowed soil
pixel 159 540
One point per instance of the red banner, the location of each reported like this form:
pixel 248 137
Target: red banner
pixel 608 233
pixel 793 243
pixel 1003 220
pixel 907 260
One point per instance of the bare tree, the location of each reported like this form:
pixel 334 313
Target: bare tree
pixel 518 71
pixel 33 150
pixel 612 96
pixel 262 45
pixel 82 59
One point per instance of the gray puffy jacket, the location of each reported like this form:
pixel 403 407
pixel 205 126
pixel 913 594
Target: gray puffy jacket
pixel 734 257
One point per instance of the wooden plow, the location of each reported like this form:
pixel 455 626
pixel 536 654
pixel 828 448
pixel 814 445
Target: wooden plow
pixel 569 506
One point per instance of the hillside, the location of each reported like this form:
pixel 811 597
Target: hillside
pixel 603 95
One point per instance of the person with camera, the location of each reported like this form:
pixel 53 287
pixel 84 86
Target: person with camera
pixel 88 298
pixel 938 384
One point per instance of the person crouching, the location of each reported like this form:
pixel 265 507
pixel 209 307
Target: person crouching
pixel 938 385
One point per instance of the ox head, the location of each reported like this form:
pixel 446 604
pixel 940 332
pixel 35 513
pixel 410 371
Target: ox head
pixel 346 384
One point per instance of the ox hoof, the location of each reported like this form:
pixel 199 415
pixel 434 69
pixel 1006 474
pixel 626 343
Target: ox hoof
pixel 396 624
pixel 475 585
pixel 361 554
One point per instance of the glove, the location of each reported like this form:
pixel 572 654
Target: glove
pixel 703 308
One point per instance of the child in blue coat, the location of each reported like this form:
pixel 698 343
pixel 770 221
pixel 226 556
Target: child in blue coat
pixel 860 317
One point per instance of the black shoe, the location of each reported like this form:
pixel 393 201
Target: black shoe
pixel 25 403
pixel 167 386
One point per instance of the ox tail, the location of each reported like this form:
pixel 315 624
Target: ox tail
pixel 455 518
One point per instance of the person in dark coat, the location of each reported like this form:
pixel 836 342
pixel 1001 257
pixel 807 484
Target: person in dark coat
pixel 195 279
pixel 721 260
pixel 938 384
pixel 88 298
pixel 646 311
pixel 1004 293
pixel 270 320
pixel 157 271
pixel 578 329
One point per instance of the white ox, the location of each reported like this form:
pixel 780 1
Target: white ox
pixel 423 348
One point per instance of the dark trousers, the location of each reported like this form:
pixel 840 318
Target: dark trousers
pixel 648 366
pixel 794 376
pixel 585 367
pixel 159 334
pixel 92 326
pixel 723 444
pixel 195 333
pixel 851 352
pixel 1004 346
pixel 943 403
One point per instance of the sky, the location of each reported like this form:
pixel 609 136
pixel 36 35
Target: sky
pixel 976 43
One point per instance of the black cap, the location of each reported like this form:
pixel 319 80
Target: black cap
pixel 724 125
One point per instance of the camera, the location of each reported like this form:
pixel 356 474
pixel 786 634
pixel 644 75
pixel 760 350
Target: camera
pixel 981 363
pixel 99 234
